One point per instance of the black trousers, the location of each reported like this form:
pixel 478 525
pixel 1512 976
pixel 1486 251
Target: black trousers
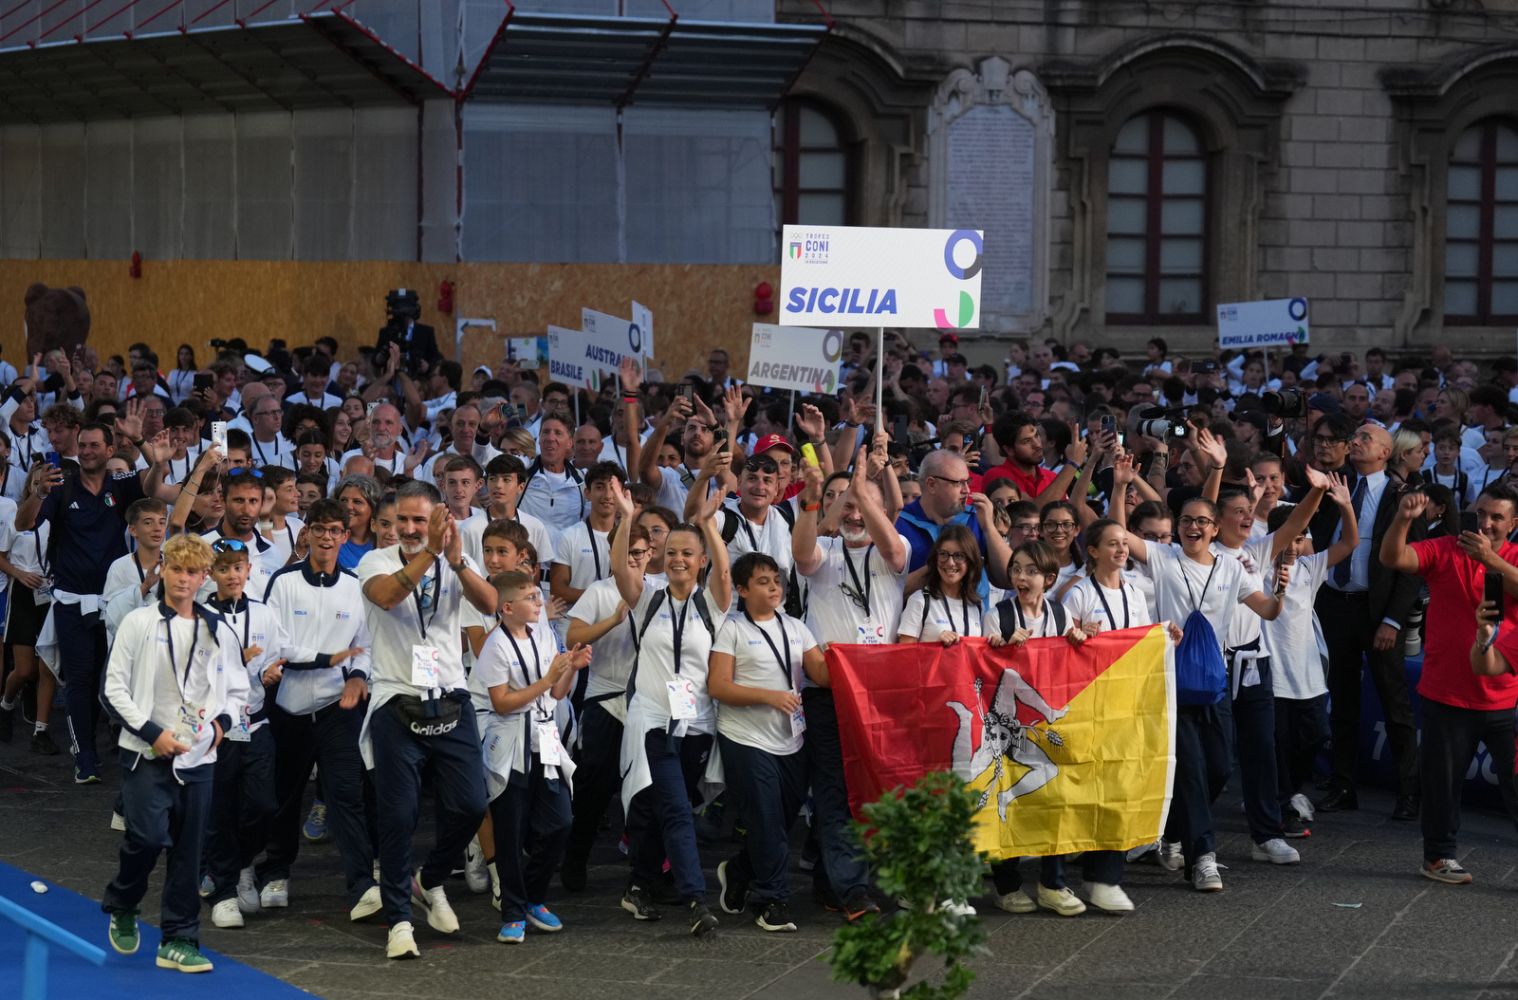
pixel 242 807
pixel 1450 736
pixel 165 814
pixel 598 777
pixel 1348 629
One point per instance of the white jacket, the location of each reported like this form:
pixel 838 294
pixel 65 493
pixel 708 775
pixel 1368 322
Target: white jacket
pixel 122 593
pixel 216 679
pixel 319 614
pixel 252 624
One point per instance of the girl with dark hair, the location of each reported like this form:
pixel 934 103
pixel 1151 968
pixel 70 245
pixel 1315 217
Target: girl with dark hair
pixel 947 608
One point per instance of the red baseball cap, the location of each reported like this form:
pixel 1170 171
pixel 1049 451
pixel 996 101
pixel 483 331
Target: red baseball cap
pixel 772 441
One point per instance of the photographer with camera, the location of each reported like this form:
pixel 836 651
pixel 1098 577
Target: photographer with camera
pixel 417 341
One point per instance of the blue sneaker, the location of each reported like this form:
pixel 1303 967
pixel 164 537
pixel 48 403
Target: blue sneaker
pixel 315 828
pixel 543 920
pixel 86 773
pixel 512 932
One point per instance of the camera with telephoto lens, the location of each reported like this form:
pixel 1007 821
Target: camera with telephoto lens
pixel 1163 424
pixel 1288 404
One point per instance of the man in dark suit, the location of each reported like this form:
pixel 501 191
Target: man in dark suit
pixel 1362 607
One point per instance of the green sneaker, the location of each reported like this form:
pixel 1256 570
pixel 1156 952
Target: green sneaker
pixel 182 954
pixel 123 932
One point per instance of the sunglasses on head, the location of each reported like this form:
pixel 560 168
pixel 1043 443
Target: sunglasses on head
pixel 228 545
pixel 244 471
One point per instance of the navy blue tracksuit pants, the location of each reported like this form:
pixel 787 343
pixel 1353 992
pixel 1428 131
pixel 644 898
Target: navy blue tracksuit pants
pixel 162 815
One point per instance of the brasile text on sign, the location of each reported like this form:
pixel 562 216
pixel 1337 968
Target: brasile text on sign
pixel 857 276
pixel 795 357
pixel 1270 323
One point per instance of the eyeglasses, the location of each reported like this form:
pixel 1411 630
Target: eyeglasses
pixel 1200 522
pixel 1059 525
pixel 325 530
pixel 242 470
pixel 638 553
pixel 228 545
pixel 1329 439
pixel 958 484
pixel 954 557
pixel 857 599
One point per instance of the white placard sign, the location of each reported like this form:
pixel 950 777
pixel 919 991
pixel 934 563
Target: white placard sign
pixel 566 358
pixel 795 357
pixel 612 335
pixel 855 276
pixel 1272 323
pixel 643 322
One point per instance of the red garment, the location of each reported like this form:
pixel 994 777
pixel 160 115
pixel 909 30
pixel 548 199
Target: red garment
pixel 1028 486
pixel 1456 583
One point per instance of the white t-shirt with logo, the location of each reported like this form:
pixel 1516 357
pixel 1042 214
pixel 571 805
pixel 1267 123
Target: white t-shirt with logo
pixel 429 615
pixel 613 653
pixel 1128 608
pixel 925 619
pixel 586 552
pixel 753 645
pixel 656 656
pixel 845 577
pixel 1172 571
pixel 1296 666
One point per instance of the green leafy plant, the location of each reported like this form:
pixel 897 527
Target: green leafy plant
pixel 918 841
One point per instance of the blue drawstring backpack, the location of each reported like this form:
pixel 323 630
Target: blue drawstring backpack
pixel 1201 676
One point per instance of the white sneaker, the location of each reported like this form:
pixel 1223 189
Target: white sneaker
pixel 1276 851
pixel 1169 856
pixel 495 887
pixel 368 904
pixel 957 908
pixel 1016 901
pixel 1109 898
pixel 226 914
pixel 247 891
pixel 440 915
pixel 1143 850
pixel 401 943
pixel 1204 874
pixel 1061 901
pixel 475 875
pixel 118 822
pixel 1304 807
pixel 275 895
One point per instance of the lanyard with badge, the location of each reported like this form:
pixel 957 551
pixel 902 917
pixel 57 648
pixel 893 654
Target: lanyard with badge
pixel 242 731
pixel 595 552
pixel 543 733
pixel 1102 596
pixel 682 691
pixel 426 659
pixel 798 718
pixel 192 717
pixel 859 593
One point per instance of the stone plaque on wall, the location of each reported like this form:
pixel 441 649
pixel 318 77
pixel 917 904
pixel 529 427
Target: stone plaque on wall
pixel 991 137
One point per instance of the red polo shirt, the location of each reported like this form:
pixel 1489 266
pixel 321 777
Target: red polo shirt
pixel 1456 583
pixel 1029 486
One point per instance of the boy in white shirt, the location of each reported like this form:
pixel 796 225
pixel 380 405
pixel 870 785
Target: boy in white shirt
pixel 132 580
pixel 1301 688
pixel 754 674
pixel 516 686
pixel 174 682
pixel 242 798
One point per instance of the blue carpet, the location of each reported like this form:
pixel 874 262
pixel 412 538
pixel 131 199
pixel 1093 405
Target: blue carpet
pixel 134 975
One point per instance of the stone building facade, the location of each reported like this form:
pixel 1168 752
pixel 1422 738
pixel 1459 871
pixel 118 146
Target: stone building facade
pixel 1169 156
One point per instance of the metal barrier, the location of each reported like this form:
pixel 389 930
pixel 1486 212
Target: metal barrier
pixel 41 934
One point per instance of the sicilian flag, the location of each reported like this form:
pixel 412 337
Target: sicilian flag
pixel 1069 749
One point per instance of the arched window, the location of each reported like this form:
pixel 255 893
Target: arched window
pixel 1481 229
pixel 1157 222
pixel 811 173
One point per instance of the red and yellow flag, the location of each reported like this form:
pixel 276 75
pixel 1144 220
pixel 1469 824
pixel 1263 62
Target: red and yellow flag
pixel 1072 749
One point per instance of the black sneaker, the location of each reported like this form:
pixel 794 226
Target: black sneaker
pixel 734 892
pixel 1294 828
pixel 702 922
pixel 638 902
pixel 43 744
pixel 7 724
pixel 824 896
pixel 775 918
pixel 857 905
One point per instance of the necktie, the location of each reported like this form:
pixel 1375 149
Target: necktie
pixel 1341 571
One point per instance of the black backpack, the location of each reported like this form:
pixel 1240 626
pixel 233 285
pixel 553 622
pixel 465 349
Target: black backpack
pixel 1006 616
pixel 795 606
pixel 702 611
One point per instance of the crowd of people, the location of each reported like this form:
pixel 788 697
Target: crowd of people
pixel 531 602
